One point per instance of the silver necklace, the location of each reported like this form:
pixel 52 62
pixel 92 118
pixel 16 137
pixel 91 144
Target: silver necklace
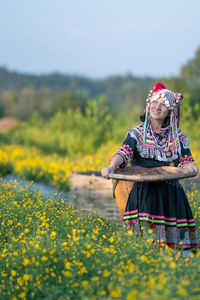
pixel 164 141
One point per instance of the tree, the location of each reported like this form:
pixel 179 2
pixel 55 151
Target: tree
pixel 9 101
pixel 69 100
pixel 26 103
pixel 191 71
pixel 45 103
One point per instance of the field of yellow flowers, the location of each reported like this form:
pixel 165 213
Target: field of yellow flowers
pixel 49 250
pixel 32 164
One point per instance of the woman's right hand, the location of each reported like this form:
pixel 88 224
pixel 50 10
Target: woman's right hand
pixel 106 171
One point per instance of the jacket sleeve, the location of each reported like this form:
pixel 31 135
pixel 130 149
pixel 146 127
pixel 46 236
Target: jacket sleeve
pixel 128 148
pixel 185 157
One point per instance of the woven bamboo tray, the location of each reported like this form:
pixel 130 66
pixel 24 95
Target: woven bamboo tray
pixel 139 174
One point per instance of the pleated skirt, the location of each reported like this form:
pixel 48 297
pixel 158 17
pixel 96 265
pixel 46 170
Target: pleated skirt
pixel 161 210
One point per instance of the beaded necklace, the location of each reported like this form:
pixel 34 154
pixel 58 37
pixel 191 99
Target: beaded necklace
pixel 164 142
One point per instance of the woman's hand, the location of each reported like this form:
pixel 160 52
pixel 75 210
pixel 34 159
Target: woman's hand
pixel 191 167
pixel 106 171
pixel 116 161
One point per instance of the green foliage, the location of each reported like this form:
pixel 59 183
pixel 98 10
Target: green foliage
pixel 69 132
pixel 23 104
pixel 5 168
pixel 191 71
pixel 74 132
pixel 69 100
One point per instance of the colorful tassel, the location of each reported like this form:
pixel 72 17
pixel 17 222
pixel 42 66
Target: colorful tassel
pixel 146 122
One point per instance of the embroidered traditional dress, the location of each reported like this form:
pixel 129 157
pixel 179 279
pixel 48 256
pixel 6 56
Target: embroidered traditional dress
pixel 160 206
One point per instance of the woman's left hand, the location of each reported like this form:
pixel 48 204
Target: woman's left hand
pixel 191 167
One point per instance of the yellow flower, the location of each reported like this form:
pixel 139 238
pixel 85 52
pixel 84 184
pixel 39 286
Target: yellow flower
pixel 144 258
pixel 106 273
pixel 74 231
pixel 83 270
pixel 67 265
pixel 22 295
pixel 132 294
pixel 131 267
pixel 95 278
pixel 172 265
pixel 185 282
pixel 26 262
pixel 116 294
pixel 44 258
pixel 26 277
pixel 53 234
pixel 94 237
pixel 106 249
pixel 75 238
pixel 111 239
pixel 102 292
pixel 182 291
pixel 152 282
pixel 13 273
pixel 67 273
pixel 85 284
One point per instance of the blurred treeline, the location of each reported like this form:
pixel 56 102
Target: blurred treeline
pixel 71 114
pixel 22 96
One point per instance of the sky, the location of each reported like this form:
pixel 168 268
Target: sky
pixel 99 38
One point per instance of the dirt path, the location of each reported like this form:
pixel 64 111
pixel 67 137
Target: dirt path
pixel 7 123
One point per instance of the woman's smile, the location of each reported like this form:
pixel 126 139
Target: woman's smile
pixel 158 109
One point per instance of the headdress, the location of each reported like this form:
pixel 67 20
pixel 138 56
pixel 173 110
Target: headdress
pixel 172 101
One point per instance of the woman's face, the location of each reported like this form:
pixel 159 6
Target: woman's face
pixel 158 109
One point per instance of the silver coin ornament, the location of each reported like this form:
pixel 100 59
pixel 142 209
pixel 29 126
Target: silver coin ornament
pixel 168 153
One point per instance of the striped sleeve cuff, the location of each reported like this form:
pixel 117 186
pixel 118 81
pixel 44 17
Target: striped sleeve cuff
pixel 185 160
pixel 126 152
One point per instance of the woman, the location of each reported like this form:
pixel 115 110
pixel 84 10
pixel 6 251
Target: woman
pixel 159 208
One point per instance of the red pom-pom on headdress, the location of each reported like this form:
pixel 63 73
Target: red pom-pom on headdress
pixel 158 86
